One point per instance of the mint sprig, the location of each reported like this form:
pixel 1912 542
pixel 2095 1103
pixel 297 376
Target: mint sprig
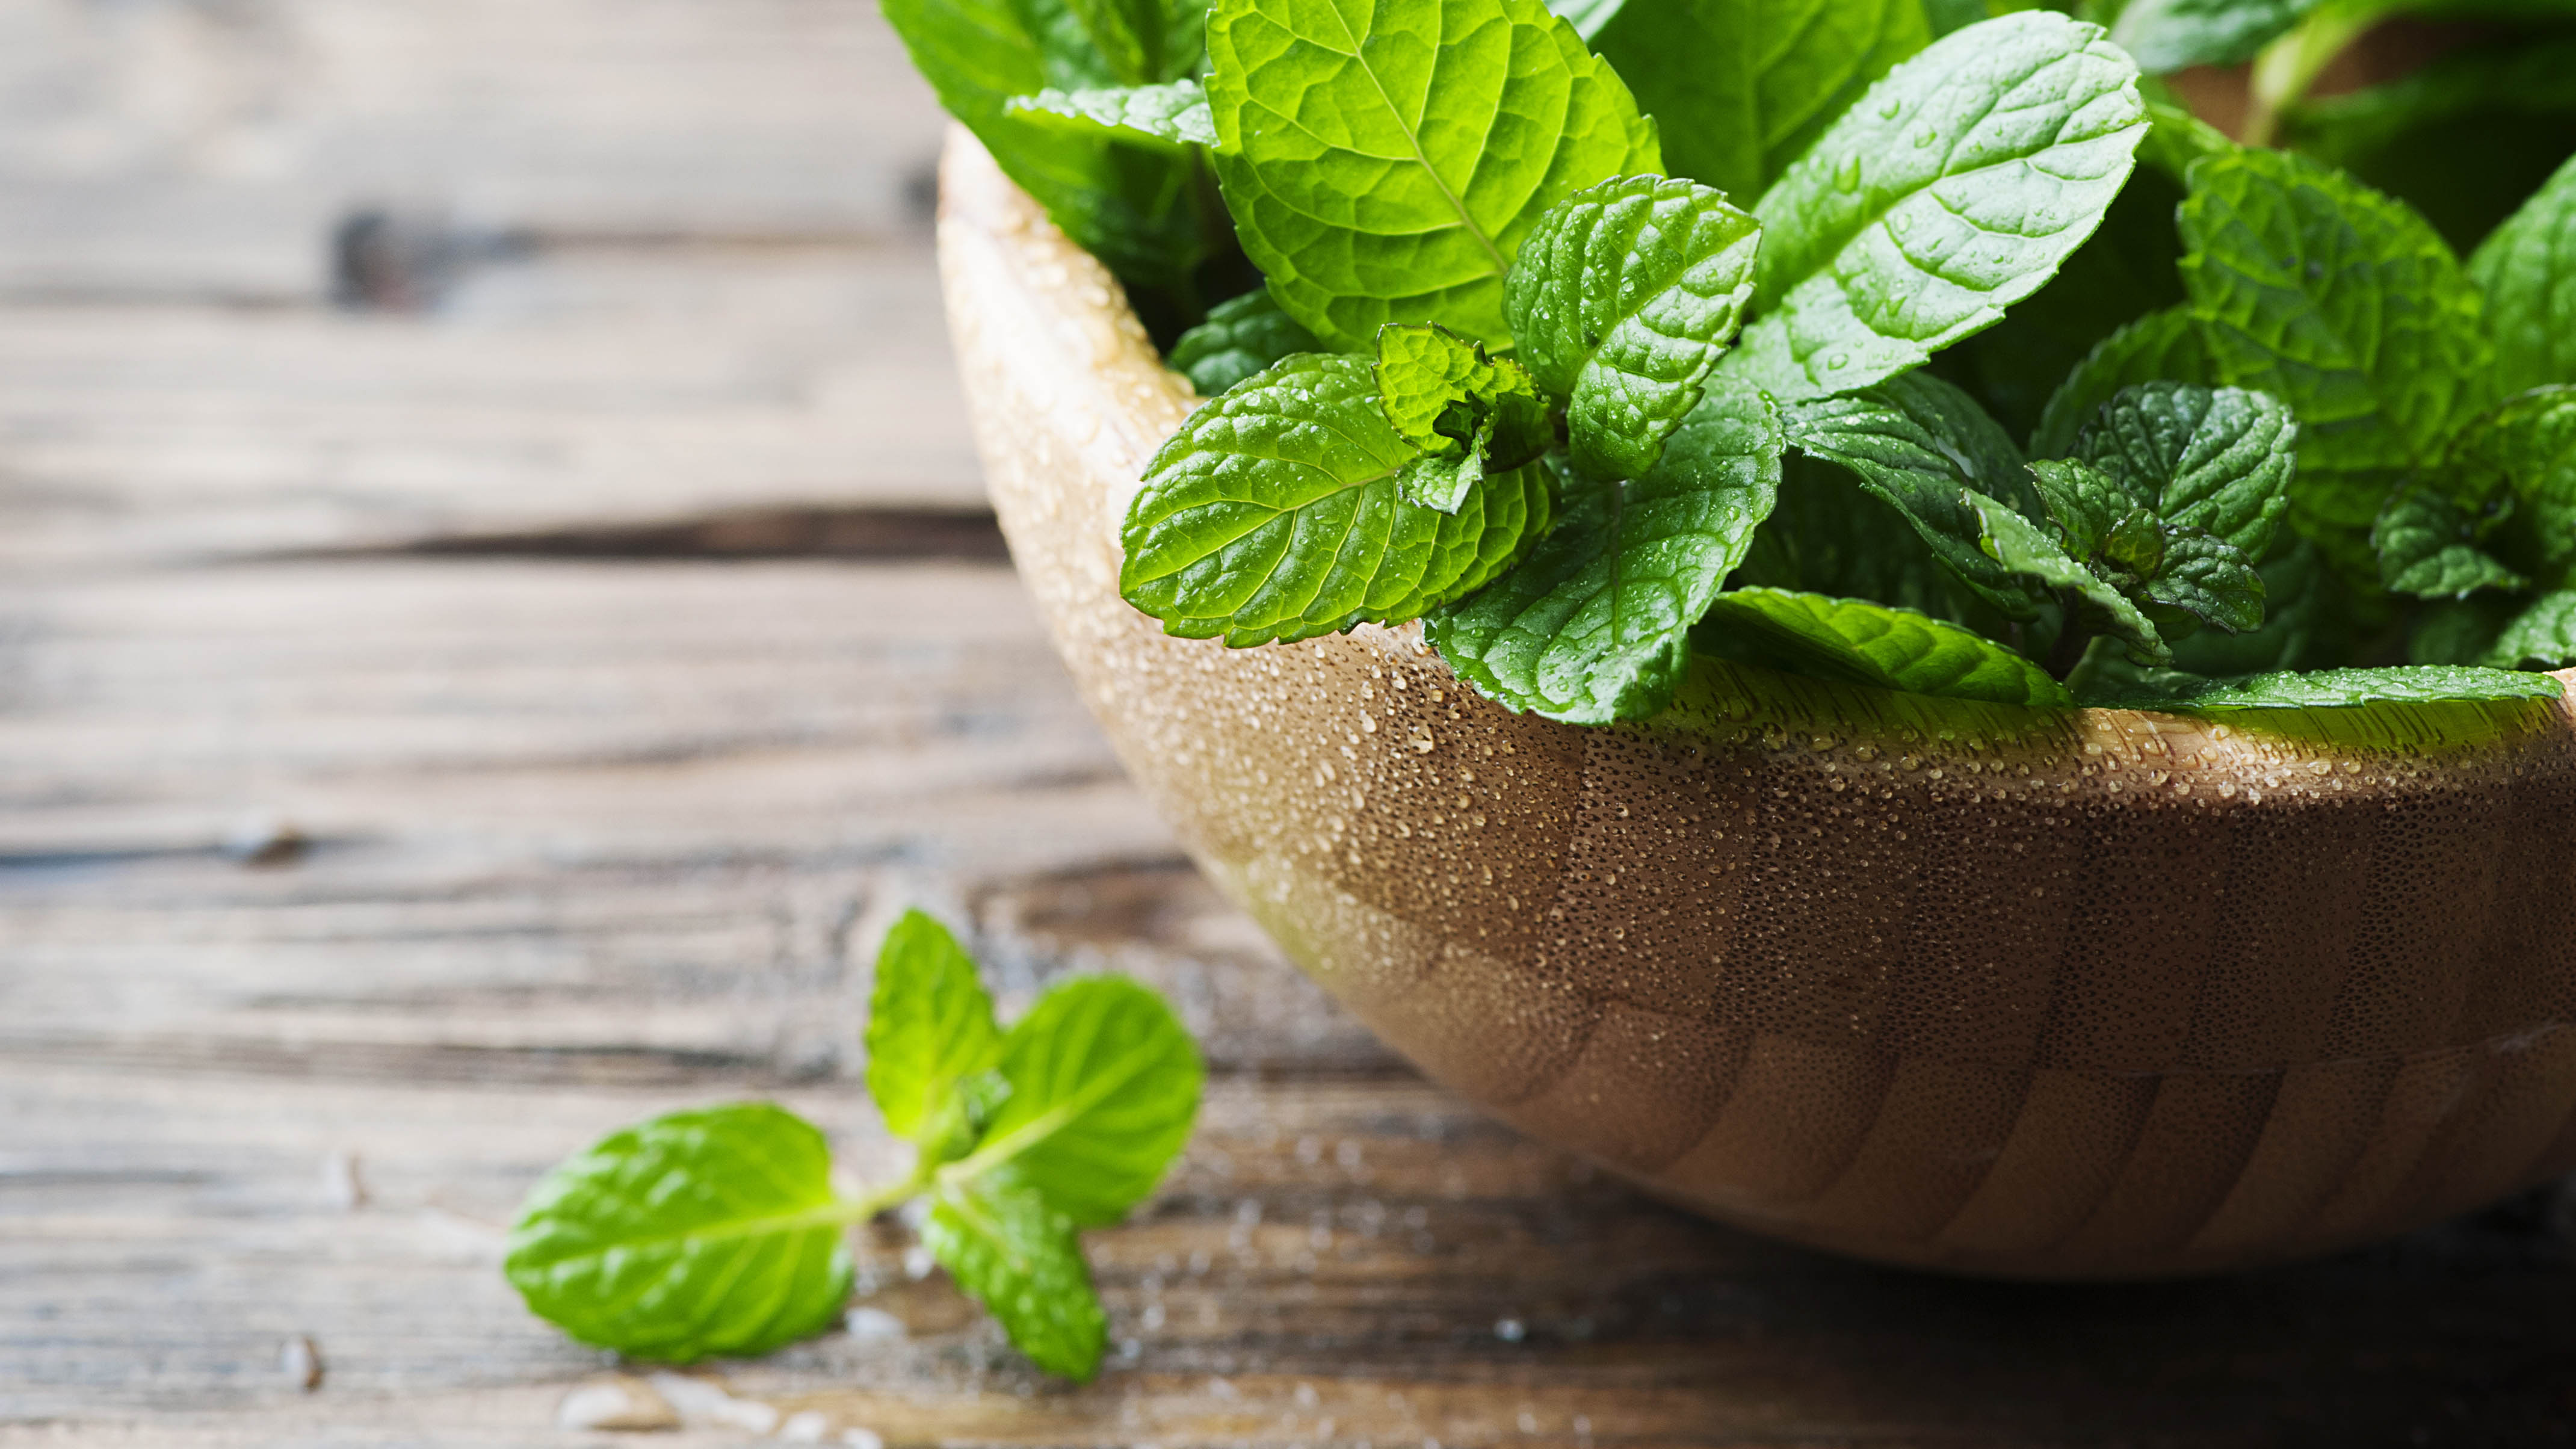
pixel 718 1230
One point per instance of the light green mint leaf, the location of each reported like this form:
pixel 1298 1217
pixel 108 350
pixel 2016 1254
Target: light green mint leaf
pixel 703 1232
pixel 1384 160
pixel 1621 300
pixel 2526 447
pixel 2428 546
pixel 2343 304
pixel 2540 637
pixel 2162 345
pixel 1241 336
pixel 1468 413
pixel 2219 460
pixel 1948 192
pixel 1104 1086
pixel 2026 548
pixel 2332 689
pixel 1915 442
pixel 1593 626
pixel 2085 503
pixel 2528 268
pixel 2209 579
pixel 1860 642
pixel 1740 88
pixel 1173 116
pixel 1017 1254
pixel 1274 513
pixel 930 1026
pixel 2170 35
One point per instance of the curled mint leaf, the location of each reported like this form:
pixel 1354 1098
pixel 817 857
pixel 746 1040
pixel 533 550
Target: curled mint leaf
pixel 1104 1084
pixel 1859 642
pixel 2170 35
pixel 1468 413
pixel 1621 300
pixel 2542 636
pixel 1241 336
pixel 2027 549
pixel 1007 1245
pixel 1274 513
pixel 2162 345
pixel 930 1026
pixel 2215 459
pixel 1948 192
pixel 2428 546
pixel 2328 689
pixel 1173 116
pixel 2528 268
pixel 705 1232
pixel 1741 87
pixel 1594 625
pixel 1360 184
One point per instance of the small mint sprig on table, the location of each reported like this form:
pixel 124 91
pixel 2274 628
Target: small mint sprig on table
pixel 718 1230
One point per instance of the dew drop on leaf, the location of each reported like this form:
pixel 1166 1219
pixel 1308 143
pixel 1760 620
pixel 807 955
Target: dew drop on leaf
pixel 1847 174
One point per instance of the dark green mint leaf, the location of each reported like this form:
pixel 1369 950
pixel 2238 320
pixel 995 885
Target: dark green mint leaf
pixel 930 1025
pixel 1593 626
pixel 1915 442
pixel 2169 35
pixel 2161 345
pixel 703 1232
pixel 1241 336
pixel 1384 163
pixel 1104 1085
pixel 1860 642
pixel 1173 116
pixel 1621 301
pixel 2333 689
pixel 2525 449
pixel 1017 1254
pixel 2215 459
pixel 1949 191
pixel 2540 637
pixel 1274 514
pixel 2026 548
pixel 1828 535
pixel 2528 268
pixel 2209 579
pixel 1741 87
pixel 2428 546
pixel 2085 503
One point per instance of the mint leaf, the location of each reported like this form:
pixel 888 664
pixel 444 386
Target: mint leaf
pixel 2528 268
pixel 2085 503
pixel 1915 442
pixel 2332 689
pixel 1741 87
pixel 1467 413
pixel 2527 446
pixel 697 1233
pixel 2209 579
pixel 1016 1253
pixel 1621 301
pixel 1104 1084
pixel 930 1026
pixel 1951 190
pixel 1274 514
pixel 1173 116
pixel 2025 548
pixel 2215 459
pixel 2540 637
pixel 2343 304
pixel 1241 336
pixel 2428 546
pixel 2162 345
pixel 1384 161
pixel 1138 39
pixel 1860 642
pixel 1828 535
pixel 1594 625
pixel 2168 35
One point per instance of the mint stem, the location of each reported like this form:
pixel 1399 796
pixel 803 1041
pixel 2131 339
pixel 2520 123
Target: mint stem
pixel 2073 637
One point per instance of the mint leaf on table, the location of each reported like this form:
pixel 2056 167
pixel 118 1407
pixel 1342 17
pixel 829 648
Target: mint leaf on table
pixel 1016 1252
pixel 2164 345
pixel 2528 268
pixel 697 1233
pixel 2428 546
pixel 1860 642
pixel 1469 414
pixel 1241 336
pixel 1593 626
pixel 1621 300
pixel 2328 689
pixel 1173 116
pixel 2028 549
pixel 930 1027
pixel 1740 88
pixel 2216 459
pixel 1952 189
pixel 2542 636
pixel 2170 35
pixel 1274 513
pixel 1384 161
pixel 1104 1084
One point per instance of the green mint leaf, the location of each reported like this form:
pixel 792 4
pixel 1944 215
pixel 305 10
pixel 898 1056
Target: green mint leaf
pixel 2162 345
pixel 1829 535
pixel 1469 414
pixel 2428 546
pixel 2025 548
pixel 1129 36
pixel 2219 460
pixel 2169 35
pixel 2209 579
pixel 1104 1085
pixel 2540 637
pixel 1274 513
pixel 1621 300
pixel 2528 268
pixel 1241 336
pixel 702 1232
pixel 1173 116
pixel 2085 503
pixel 1384 161
pixel 2343 304
pixel 1915 442
pixel 1740 88
pixel 2330 689
pixel 2527 446
pixel 1017 1254
pixel 930 1025
pixel 1859 642
pixel 1593 626
pixel 1949 191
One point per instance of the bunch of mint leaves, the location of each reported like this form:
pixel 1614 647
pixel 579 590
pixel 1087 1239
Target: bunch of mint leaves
pixel 719 1231
pixel 1893 342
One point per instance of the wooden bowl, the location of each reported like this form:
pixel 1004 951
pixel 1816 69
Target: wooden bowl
pixel 2085 994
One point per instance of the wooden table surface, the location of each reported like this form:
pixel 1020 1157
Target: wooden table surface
pixel 496 614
